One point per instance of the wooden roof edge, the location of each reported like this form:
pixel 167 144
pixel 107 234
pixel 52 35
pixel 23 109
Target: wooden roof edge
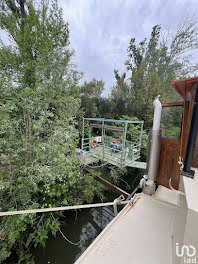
pixel 181 85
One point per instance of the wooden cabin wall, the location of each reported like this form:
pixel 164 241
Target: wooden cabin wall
pixel 169 167
pixel 170 148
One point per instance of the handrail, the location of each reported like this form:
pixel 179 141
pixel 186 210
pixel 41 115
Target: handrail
pixel 122 157
pixel 115 121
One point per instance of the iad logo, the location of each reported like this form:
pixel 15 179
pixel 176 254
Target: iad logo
pixel 187 252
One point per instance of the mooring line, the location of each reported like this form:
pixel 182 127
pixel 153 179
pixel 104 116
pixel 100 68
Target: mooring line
pixel 63 208
pixel 63 235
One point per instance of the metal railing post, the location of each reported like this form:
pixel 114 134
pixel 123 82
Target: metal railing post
pixel 103 137
pixel 83 131
pixel 123 154
pixel 140 138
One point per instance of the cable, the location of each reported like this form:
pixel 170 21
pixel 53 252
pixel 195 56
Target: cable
pixel 69 241
pixel 63 208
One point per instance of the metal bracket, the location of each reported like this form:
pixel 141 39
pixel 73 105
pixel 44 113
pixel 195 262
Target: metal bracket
pixel 117 202
pixel 188 174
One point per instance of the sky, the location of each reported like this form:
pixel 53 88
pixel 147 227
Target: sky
pixel 100 30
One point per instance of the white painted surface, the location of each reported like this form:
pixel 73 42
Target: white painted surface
pixel 191 190
pixel 191 230
pixel 169 196
pixel 99 139
pixel 143 233
pixel 157 113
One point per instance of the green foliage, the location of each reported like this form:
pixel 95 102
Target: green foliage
pixel 105 107
pixel 151 65
pixel 171 122
pixel 91 89
pixel 133 133
pixel 90 92
pixel 39 106
pixel 116 174
pixel 89 106
pixel 146 86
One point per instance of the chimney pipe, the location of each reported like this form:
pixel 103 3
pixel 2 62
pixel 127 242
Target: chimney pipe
pixel 149 186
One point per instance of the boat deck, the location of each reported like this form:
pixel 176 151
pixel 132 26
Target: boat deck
pixel 145 231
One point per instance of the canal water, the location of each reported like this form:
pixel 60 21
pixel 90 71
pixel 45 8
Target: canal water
pixel 82 227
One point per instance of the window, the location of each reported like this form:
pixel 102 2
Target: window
pixel 171 122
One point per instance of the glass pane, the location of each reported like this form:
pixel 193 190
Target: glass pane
pixel 171 122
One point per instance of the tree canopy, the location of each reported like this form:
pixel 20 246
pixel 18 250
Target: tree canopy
pixel 150 67
pixel 39 105
pixel 42 104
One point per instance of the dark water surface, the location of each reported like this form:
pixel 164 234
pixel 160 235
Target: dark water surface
pixel 83 227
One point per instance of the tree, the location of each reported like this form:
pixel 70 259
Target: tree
pixel 133 133
pixel 151 66
pixel 90 92
pixel 91 89
pixel 105 107
pixel 38 84
pixel 120 94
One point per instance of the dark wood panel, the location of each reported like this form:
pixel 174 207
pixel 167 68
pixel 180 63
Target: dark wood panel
pixel 169 167
pixel 173 104
pixel 195 157
pixel 112 186
pixel 187 123
pixel 185 128
pixel 109 184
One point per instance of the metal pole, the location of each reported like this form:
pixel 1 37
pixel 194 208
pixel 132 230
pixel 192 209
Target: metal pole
pixel 155 144
pixel 82 140
pixel 191 140
pixel 103 136
pixel 140 139
pixel 124 145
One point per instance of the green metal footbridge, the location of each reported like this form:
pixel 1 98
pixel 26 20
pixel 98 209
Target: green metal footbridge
pixel 106 140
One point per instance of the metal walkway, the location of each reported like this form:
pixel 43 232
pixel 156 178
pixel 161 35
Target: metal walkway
pixel 109 143
pixel 108 155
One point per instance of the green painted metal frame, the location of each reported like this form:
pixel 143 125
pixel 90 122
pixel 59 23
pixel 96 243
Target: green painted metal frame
pixel 124 141
pixel 113 120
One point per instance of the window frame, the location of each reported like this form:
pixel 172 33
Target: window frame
pixel 170 105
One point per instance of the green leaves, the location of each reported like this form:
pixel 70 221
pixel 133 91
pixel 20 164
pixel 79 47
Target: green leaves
pixel 39 105
pixel 151 65
pixel 92 89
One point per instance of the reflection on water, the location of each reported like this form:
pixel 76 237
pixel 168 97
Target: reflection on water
pixel 83 227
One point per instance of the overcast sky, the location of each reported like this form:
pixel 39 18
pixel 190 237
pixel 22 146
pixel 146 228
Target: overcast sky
pixel 100 30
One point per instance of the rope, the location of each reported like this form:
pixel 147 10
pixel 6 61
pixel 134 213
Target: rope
pixel 69 241
pixel 116 202
pixel 63 208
